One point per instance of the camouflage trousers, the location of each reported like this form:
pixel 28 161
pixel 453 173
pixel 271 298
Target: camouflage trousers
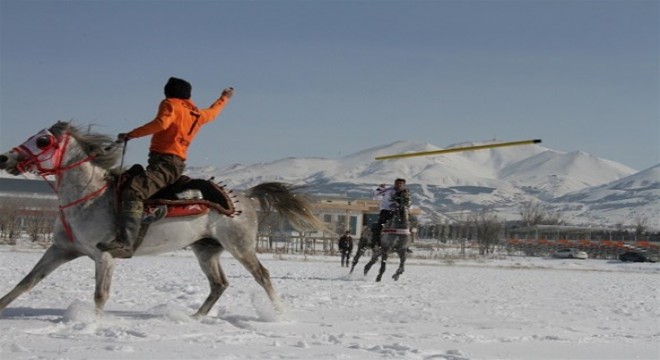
pixel 163 170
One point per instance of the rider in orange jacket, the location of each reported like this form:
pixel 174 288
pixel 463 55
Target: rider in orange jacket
pixel 175 126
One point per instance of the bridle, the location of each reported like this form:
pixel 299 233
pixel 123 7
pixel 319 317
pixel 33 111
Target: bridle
pixel 43 154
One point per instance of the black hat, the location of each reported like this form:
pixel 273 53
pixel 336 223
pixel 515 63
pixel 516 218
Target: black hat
pixel 178 88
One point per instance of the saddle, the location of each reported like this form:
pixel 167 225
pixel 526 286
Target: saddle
pixel 185 197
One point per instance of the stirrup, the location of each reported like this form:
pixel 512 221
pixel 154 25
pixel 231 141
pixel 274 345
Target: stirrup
pixel 116 249
pixel 121 253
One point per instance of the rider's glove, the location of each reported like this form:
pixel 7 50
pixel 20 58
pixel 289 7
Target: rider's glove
pixel 121 137
pixel 228 92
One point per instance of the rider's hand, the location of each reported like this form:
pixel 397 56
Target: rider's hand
pixel 228 92
pixel 121 137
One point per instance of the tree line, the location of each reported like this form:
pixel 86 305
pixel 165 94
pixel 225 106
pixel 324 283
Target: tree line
pixel 31 216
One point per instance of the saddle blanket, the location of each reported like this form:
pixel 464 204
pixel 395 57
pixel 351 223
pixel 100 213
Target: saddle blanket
pixel 154 213
pixel 396 231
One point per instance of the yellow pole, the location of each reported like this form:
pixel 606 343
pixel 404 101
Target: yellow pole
pixel 459 149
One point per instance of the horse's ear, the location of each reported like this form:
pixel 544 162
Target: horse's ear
pixel 60 127
pixel 63 124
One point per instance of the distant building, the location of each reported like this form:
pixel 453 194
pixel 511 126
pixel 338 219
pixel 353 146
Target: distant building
pixel 18 187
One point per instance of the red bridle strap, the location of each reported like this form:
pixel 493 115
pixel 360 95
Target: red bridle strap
pixel 65 223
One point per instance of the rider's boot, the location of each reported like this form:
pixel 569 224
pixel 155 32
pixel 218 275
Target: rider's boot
pixel 130 221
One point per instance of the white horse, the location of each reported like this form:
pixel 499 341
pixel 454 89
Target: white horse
pixel 80 161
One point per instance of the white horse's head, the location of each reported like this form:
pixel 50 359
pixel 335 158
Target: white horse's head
pixel 57 149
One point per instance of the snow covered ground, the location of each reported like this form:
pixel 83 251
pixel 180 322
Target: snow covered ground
pixel 504 308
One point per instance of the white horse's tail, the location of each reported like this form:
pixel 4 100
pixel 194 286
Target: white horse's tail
pixel 288 202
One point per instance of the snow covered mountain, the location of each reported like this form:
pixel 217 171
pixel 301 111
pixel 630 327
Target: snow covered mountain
pixel 635 198
pixel 588 189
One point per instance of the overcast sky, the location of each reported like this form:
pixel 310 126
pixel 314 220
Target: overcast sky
pixel 329 78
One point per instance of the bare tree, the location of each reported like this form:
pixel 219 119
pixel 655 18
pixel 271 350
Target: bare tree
pixel 640 227
pixel 488 227
pixel 531 213
pixel 534 213
pixel 39 225
pixel 10 209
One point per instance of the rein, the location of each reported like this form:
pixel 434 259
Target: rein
pixel 121 169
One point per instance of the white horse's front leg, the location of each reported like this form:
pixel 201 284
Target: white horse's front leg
pixel 51 260
pixel 104 267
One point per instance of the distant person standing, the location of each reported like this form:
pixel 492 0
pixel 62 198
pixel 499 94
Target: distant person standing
pixel 345 247
pixel 393 199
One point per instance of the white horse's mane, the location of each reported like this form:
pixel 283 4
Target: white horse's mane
pixel 103 149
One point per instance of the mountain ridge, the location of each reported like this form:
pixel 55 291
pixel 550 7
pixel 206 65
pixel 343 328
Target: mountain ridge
pixel 500 179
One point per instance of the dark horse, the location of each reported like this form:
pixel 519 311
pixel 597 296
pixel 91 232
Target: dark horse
pixel 80 162
pixel 395 238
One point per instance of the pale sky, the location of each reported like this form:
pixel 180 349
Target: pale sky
pixel 329 78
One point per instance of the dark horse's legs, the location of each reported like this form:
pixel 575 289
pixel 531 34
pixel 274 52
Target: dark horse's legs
pixel 358 254
pixel 383 254
pixel 375 254
pixel 383 263
pixel 402 260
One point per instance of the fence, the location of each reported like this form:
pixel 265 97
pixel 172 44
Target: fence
pixel 432 249
pixel 604 249
pixel 291 244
